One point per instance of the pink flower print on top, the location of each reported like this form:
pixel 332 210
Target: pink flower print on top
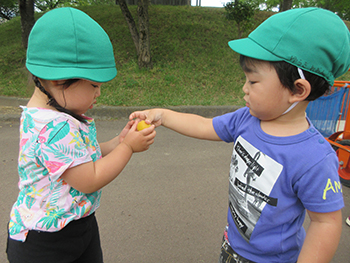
pixel 43 130
pixel 42 139
pixel 53 166
pixel 23 142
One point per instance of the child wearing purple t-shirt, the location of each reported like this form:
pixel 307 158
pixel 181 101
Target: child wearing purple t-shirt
pixel 281 166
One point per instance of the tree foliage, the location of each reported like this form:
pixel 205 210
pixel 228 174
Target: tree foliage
pixel 161 2
pixel 44 5
pixel 340 7
pixel 242 13
pixel 8 9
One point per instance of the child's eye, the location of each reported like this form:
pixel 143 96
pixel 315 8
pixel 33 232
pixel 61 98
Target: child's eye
pixel 252 82
pixel 95 86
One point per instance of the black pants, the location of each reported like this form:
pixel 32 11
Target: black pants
pixel 228 255
pixel 78 242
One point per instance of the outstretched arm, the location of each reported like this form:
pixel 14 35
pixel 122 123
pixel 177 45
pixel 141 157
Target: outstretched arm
pixel 187 124
pixel 92 176
pixel 322 237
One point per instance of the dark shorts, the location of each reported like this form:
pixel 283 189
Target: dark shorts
pixel 78 242
pixel 228 255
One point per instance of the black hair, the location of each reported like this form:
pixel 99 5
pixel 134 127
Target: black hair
pixel 52 102
pixel 288 74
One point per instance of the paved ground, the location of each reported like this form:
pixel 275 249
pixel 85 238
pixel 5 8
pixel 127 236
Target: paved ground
pixel 168 205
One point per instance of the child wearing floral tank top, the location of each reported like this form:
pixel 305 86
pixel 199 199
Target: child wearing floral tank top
pixel 61 166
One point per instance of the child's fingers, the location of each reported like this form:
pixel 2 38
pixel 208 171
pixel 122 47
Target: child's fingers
pixel 138 114
pixel 130 123
pixel 154 117
pixel 149 133
pixel 133 115
pixel 148 130
pixel 134 125
pixel 150 137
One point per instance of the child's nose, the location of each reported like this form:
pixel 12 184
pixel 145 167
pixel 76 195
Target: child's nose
pixel 245 88
pixel 98 92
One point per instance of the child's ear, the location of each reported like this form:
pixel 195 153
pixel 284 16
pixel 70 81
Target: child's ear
pixel 302 90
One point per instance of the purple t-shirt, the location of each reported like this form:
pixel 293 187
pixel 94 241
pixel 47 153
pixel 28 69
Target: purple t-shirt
pixel 272 181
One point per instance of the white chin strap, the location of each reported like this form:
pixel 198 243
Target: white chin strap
pixel 291 107
pixel 301 74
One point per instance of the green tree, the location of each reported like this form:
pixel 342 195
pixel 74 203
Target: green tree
pixel 8 9
pixel 26 10
pixel 286 5
pixel 44 5
pixel 140 36
pixel 340 7
pixel 242 13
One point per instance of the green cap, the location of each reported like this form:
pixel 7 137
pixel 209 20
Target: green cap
pixel 313 39
pixel 66 43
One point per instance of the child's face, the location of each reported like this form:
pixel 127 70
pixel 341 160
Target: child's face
pixel 265 96
pixel 80 96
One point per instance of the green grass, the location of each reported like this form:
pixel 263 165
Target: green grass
pixel 193 64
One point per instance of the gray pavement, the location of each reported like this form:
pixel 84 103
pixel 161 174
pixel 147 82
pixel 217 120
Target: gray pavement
pixel 168 205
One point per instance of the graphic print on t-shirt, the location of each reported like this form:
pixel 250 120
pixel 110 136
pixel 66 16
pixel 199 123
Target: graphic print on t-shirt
pixel 252 177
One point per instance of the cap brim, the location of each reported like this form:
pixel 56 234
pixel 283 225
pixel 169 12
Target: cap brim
pixel 97 75
pixel 249 48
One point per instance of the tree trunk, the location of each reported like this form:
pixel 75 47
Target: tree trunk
pixel 26 10
pixel 131 24
pixel 144 58
pixel 141 38
pixel 286 5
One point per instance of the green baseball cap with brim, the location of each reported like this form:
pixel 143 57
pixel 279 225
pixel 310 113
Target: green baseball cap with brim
pixel 313 39
pixel 66 43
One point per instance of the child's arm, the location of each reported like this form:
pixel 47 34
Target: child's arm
pixel 92 176
pixel 187 124
pixel 322 237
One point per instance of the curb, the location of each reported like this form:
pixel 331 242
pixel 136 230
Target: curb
pixel 10 110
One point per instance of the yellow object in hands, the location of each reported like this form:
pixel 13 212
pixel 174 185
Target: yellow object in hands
pixel 142 125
